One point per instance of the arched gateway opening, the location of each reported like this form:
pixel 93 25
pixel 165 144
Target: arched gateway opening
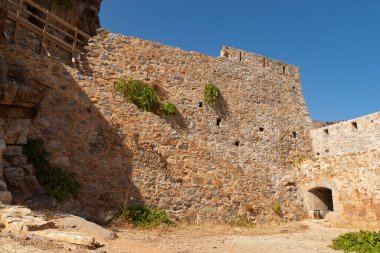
pixel 321 200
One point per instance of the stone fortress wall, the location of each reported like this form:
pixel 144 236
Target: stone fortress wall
pixel 219 162
pixel 236 158
pixel 347 164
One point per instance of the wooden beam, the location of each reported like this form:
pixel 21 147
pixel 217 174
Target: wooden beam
pixel 73 51
pixel 46 26
pixel 48 22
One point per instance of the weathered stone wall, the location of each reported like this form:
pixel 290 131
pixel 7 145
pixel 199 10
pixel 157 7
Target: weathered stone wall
pixel 347 163
pixel 261 108
pixel 185 163
pixel 347 137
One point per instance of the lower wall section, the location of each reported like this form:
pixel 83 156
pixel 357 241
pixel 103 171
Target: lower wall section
pixel 345 185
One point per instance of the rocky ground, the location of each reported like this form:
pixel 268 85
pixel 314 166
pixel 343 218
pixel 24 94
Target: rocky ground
pixel 24 231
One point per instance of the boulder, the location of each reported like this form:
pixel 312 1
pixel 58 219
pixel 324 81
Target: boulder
pixel 21 219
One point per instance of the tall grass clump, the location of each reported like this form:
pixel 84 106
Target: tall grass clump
pixel 143 216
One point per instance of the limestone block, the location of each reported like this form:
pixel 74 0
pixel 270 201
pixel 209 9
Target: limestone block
pixel 68 237
pixel 2 146
pixel 15 179
pixel 5 197
pixel 21 219
pixel 18 95
pixel 3 186
pixel 21 179
pixel 16 131
pixel 81 225
pixel 13 151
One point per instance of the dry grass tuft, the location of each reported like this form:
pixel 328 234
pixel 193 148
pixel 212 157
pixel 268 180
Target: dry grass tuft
pixel 356 223
pixel 216 228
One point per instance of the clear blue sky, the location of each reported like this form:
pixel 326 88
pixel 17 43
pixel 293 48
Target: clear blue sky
pixel 335 42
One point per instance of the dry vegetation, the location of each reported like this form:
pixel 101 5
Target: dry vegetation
pixel 356 224
pixel 216 228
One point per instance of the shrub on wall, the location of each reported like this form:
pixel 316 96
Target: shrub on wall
pixel 138 92
pixel 210 93
pixel 57 182
pixel 276 209
pixel 299 159
pixel 169 108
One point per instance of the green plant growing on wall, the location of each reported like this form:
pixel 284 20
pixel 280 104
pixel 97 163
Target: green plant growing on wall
pixel 299 159
pixel 169 108
pixel 143 216
pixel 61 4
pixel 138 92
pixel 360 242
pixel 276 209
pixel 210 93
pixel 57 182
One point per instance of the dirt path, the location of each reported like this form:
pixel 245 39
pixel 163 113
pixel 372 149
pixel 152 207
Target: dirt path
pixel 311 236
pixel 314 239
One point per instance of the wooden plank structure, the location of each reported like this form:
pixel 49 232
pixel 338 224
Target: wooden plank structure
pixel 47 25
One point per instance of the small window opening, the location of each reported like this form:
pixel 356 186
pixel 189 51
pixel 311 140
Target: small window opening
pixel 326 131
pixel 371 121
pixel 239 56
pixel 355 125
pixel 326 151
pixel 294 87
pixel 200 104
pixel 261 129
pixel 284 70
pixel 318 153
pixel 294 134
pixel 264 62
pixel 237 143
pixel 218 121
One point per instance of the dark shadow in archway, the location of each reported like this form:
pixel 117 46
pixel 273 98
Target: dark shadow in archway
pixel 321 199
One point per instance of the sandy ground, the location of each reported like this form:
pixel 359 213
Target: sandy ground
pixel 315 238
pixel 311 236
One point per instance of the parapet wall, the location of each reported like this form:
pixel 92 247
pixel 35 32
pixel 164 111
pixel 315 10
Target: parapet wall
pixel 347 137
pixel 260 61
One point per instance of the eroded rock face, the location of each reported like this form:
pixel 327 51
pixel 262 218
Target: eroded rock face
pixel 80 13
pixel 3 17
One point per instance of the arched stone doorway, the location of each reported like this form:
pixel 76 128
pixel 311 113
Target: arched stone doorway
pixel 321 198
